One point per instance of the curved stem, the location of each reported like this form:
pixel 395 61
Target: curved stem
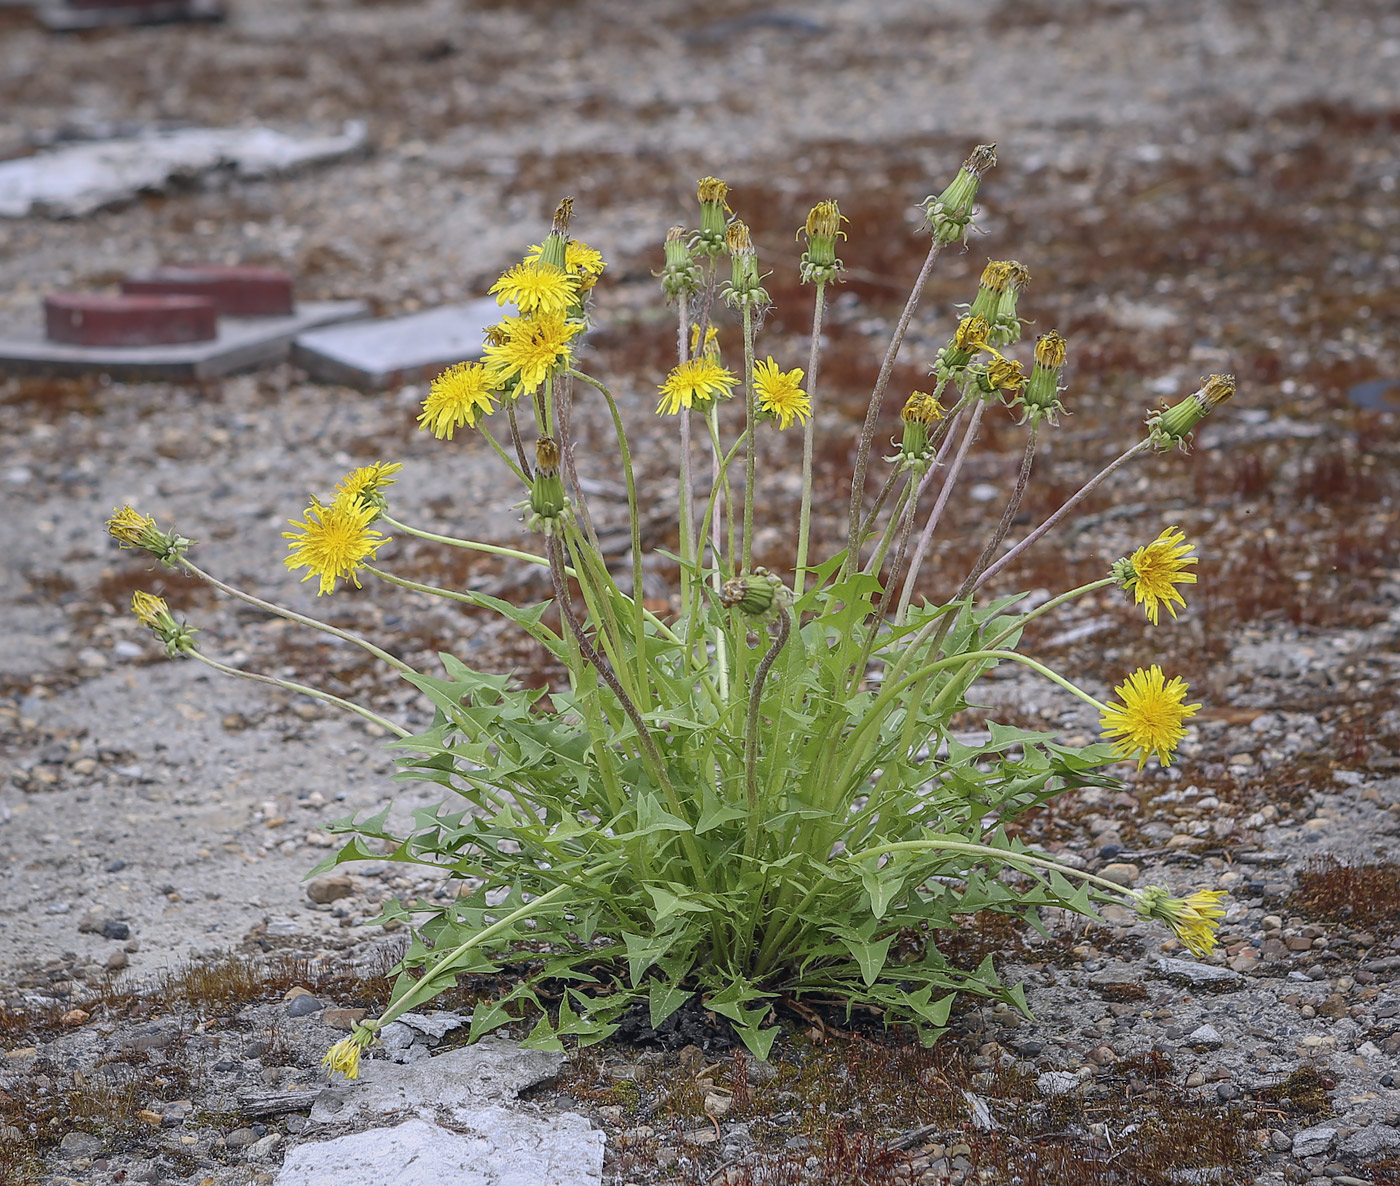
pixel 1048 606
pixel 985 850
pixel 539 632
pixel 877 396
pixel 292 616
pixel 315 693
pixel 516 441
pixel 1117 463
pixel 751 729
pixel 689 552
pixel 517 470
pixel 804 519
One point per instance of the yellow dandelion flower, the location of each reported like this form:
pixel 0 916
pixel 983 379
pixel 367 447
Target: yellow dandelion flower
pixel 780 393
pixel 1150 718
pixel 537 287
pixel 533 347
pixel 922 408
pixel 584 263
pixel 1195 918
pixel 334 541
pixel 695 382
pixel 149 609
pixel 455 398
pixel 130 528
pixel 344 1057
pixel 365 483
pixel 1153 572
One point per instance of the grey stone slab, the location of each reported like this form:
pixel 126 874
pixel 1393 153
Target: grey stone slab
pixel 496 1148
pixel 396 350
pixel 449 1086
pixel 1190 972
pixel 243 343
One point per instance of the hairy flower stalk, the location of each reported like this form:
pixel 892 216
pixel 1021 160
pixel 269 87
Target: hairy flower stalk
pixel 132 529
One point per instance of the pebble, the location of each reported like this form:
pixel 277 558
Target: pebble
pixel 1310 1142
pixel 1120 873
pixel 1206 1037
pixel 303 1006
pixel 330 888
pixel 241 1138
pixel 1057 1082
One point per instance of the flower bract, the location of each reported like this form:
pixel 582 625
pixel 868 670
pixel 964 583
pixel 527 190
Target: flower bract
pixel 532 348
pixel 1153 572
pixel 780 393
pixel 456 397
pixel 697 381
pixel 1150 719
pixel 334 541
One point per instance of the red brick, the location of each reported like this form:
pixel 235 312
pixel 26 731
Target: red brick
pixel 84 319
pixel 235 291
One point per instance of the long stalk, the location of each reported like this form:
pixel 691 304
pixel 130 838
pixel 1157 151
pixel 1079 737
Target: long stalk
pixel 804 518
pixel 539 632
pixel 1013 504
pixel 1116 464
pixel 751 451
pixel 950 478
pixel 689 553
pixel 292 616
pixel 751 731
pixel 877 397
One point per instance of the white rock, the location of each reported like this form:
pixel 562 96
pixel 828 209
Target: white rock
pixel 1312 1141
pixel 1206 1035
pixel 500 1149
pixel 1057 1082
pixel 981 1114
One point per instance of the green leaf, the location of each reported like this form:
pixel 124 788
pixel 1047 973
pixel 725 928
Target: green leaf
pixel 759 1042
pixel 668 903
pixel 645 950
pixel 870 954
pixel 882 884
pixel 664 999
pixel 652 817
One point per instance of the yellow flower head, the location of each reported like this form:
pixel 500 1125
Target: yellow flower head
pixel 132 529
pixel 582 262
pixel 921 408
pixel 972 333
pixel 152 611
pixel 365 483
pixel 697 381
pixel 737 240
pixel 455 398
pixel 1153 572
pixel 344 1057
pixel 711 350
pixel 149 609
pixel 1050 350
pixel 533 348
pixel 334 542
pixel 824 221
pixel 712 189
pixel 537 287
pixel 1005 374
pixel 1195 918
pixel 780 393
pixel 1150 718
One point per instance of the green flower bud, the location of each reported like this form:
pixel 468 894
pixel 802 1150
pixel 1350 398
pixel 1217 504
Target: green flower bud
pixel 753 595
pixel 548 503
pixel 714 214
pixel 556 243
pixel 1041 397
pixel 681 274
pixel 949 215
pixel 132 529
pixel 1172 426
pixel 819 262
pixel 744 286
pixel 152 611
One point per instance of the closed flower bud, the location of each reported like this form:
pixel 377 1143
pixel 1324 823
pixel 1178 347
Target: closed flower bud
pixel 819 262
pixel 1001 374
pixel 547 500
pixel 1041 398
pixel 753 595
pixel 1174 425
pixel 1006 326
pixel 968 340
pixel 744 281
pixel 714 214
pixel 949 215
pixel 132 529
pixel 556 243
pixel 919 414
pixel 681 274
pixel 153 612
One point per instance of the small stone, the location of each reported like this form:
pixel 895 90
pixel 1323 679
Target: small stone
pixel 112 929
pixel 240 1138
pixel 75 1017
pixel 303 1006
pixel 342 1019
pixel 1120 873
pixel 264 1146
pixel 1102 1055
pixel 1195 1079
pixel 700 1136
pixel 116 961
pixel 1191 972
pixel 1311 1142
pixel 330 888
pixel 1205 1037
pixel 1057 1082
pixel 716 1104
pixel 1280 1141
pixel 78 1144
pixel 1333 1007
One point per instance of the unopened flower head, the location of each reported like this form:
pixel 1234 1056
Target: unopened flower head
pixel 555 248
pixel 457 397
pixel 823 228
pixel 582 262
pixel 334 542
pixel 745 284
pixel 919 414
pixel 534 348
pixel 780 393
pixel 152 611
pixel 754 594
pixel 1173 425
pixel 949 215
pixel 714 214
pixel 680 276
pixel 1153 572
pixel 365 483
pixel 132 529
pixel 995 277
pixel 537 287
pixel 1006 325
pixel 695 383
pixel 1041 398
pixel 1195 918
pixel 547 499
pixel 1150 718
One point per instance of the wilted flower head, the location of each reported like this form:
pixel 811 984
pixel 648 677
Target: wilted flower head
pixel 1195 918
pixel 680 276
pixel 153 612
pixel 132 529
pixel 711 350
pixel 547 499
pixel 1002 374
pixel 1041 398
pixel 714 214
pixel 744 286
pixel 1173 425
pixel 753 594
pixel 919 414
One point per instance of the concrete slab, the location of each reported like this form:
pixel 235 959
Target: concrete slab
pixel 243 343
pixel 397 350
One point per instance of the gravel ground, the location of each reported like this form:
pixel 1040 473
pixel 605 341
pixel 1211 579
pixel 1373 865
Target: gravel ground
pixel 1195 186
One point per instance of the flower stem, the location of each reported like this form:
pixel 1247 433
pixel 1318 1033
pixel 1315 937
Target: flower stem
pixel 689 553
pixel 1048 606
pixel 1117 463
pixel 751 731
pixel 804 519
pixel 751 450
pixel 1013 504
pixel 518 470
pixel 998 854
